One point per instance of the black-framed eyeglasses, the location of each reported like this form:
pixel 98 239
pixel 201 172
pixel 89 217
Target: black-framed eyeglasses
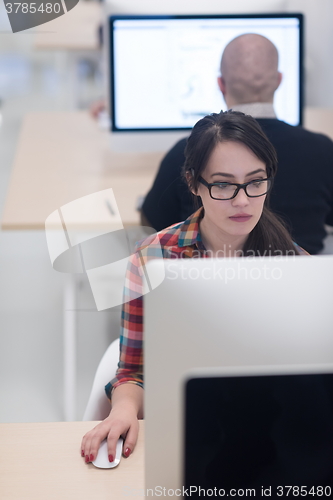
pixel 228 191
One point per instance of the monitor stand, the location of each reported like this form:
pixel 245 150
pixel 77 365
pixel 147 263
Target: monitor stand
pixel 141 142
pixel 145 142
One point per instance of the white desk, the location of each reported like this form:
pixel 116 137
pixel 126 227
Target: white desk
pixel 61 157
pixel 42 462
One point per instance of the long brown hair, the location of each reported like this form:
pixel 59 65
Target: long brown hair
pixel 269 236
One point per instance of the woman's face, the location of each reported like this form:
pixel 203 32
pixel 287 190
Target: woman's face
pixel 234 163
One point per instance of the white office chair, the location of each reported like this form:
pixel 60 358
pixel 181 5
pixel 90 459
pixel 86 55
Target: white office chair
pixel 98 406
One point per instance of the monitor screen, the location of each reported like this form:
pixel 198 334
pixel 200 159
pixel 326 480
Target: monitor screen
pixel 258 434
pixel 164 69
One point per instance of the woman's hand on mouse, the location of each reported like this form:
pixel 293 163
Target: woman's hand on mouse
pixel 120 422
pixel 127 402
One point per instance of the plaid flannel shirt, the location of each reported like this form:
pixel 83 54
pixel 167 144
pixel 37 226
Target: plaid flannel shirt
pixel 181 240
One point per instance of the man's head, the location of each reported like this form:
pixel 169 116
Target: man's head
pixel 249 70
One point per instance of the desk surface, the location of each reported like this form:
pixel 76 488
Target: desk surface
pixel 76 30
pixel 319 120
pixel 42 462
pixel 61 157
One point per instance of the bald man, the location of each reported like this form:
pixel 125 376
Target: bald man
pixel 303 188
pixel 249 71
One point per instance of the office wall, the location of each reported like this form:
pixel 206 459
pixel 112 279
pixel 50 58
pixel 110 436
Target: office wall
pixel 195 6
pixel 318 50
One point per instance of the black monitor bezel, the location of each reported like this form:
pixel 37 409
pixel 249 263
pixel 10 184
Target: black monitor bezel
pixel 114 18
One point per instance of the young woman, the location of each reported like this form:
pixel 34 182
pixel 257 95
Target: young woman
pixel 230 164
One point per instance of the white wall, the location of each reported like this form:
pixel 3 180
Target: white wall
pixel 194 6
pixel 318 50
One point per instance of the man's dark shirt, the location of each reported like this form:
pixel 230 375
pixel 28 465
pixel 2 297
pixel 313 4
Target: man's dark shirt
pixel 302 193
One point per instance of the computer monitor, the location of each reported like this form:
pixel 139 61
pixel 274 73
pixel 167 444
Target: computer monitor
pixel 268 427
pixel 164 69
pixel 261 311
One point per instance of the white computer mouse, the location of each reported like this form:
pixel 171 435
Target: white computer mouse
pixel 102 459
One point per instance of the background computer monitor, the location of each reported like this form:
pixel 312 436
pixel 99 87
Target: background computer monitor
pixel 226 312
pixel 164 69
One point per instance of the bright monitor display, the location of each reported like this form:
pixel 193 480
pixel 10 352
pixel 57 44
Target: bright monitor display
pixel 164 69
